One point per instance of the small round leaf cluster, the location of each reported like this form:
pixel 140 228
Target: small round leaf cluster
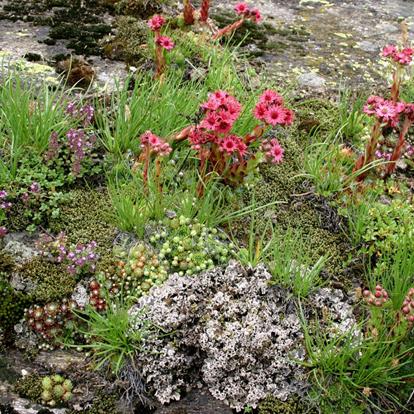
pixel 95 297
pixel 188 247
pixel 376 298
pixel 408 307
pixel 56 389
pixel 135 273
pixel 50 320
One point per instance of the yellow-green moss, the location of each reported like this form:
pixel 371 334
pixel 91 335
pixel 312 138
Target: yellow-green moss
pixel 30 387
pixel 87 217
pixel 130 41
pixel 52 280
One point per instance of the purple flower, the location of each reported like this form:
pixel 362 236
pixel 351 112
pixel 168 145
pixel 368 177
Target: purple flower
pixel 35 187
pixel 25 198
pixel 3 194
pixel 3 231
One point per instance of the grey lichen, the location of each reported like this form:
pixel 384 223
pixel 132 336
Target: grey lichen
pixel 228 328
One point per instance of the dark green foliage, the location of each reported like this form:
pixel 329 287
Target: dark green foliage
pixel 12 305
pixel 30 387
pixel 296 405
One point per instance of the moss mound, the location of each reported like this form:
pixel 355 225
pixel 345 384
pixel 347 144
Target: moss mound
pixel 87 217
pixel 52 280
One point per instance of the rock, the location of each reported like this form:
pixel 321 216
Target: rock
pixel 20 246
pixel 311 80
pixel 367 46
pixel 59 361
pixel 196 402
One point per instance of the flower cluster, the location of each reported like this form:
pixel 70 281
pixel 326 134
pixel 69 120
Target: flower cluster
pixel 84 113
pixel 161 43
pixel 271 111
pixel 4 206
pixel 79 258
pixel 386 111
pixel 95 297
pixel 80 145
pixel 49 320
pixel 272 150
pixel 156 22
pixel 155 145
pixel 376 298
pixel 402 57
pixel 244 10
pixel 408 307
pixel 230 155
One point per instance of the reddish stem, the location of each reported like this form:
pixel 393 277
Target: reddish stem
pixel 159 58
pixel 229 29
pixel 368 157
pixel 146 167
pixel 399 146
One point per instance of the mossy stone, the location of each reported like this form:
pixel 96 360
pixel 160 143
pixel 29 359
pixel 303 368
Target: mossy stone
pixel 30 387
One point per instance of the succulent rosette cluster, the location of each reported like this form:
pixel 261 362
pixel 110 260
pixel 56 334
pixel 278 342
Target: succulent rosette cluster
pixel 230 155
pixel 50 320
pixel 96 298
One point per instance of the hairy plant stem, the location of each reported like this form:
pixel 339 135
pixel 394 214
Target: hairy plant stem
pixel 229 29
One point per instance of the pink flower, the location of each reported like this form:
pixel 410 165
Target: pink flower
pixel 241 8
pixel 275 115
pixel 210 121
pixel 156 22
pixel 166 42
pixel 384 110
pixel 3 231
pixel 223 126
pixel 155 144
pixel 289 116
pixel 271 97
pixel 389 50
pixel 232 143
pixel 260 111
pixel 256 16
pixel 273 150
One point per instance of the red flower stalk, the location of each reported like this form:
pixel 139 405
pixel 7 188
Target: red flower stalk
pixel 205 5
pixel 188 13
pixel 152 146
pixel 246 13
pixel 161 43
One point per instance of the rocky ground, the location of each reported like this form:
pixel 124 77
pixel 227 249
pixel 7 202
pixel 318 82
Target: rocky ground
pixel 319 43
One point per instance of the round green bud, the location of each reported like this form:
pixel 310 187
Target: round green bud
pixel 47 383
pixel 67 385
pixel 46 395
pixel 57 378
pixel 58 391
